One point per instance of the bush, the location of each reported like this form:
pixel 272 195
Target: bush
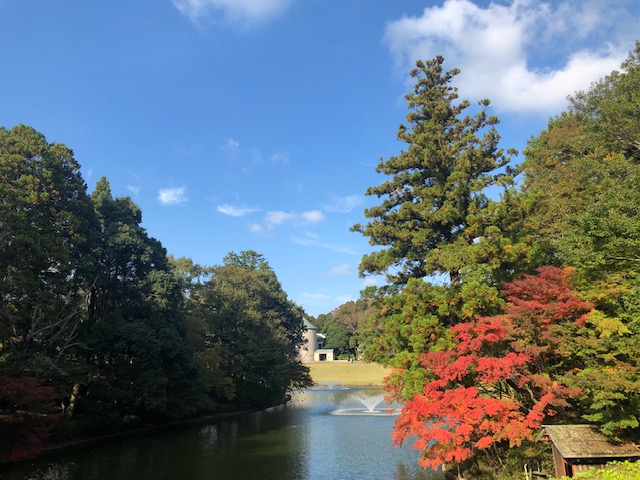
pixel 614 471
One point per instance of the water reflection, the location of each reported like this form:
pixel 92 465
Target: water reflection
pixel 301 440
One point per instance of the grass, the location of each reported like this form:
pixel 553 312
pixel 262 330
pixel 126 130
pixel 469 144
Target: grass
pixel 347 373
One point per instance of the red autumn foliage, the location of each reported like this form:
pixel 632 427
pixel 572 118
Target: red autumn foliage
pixel 27 409
pixel 495 384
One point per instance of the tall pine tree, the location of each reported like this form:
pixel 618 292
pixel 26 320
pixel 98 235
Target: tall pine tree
pixel 434 205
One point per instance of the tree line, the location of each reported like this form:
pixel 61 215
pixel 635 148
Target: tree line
pixel 513 294
pixel 101 329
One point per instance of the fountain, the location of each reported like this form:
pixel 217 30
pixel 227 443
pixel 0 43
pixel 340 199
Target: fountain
pixel 359 404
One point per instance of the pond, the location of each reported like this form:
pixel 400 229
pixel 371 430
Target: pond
pixel 320 434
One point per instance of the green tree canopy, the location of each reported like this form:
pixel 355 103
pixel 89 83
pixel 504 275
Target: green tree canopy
pixel 250 333
pixel 135 360
pixel 337 338
pixel 46 225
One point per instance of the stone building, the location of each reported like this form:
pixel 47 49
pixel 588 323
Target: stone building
pixel 313 347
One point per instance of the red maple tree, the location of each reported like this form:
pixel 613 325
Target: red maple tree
pixel 27 409
pixel 495 384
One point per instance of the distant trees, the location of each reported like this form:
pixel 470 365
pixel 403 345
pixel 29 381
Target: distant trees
pixel 346 328
pixel 100 329
pixel 249 333
pixel 337 338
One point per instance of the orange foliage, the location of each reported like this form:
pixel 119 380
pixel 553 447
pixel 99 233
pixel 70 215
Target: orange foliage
pixel 494 385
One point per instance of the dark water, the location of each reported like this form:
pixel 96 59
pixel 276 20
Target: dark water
pixel 305 439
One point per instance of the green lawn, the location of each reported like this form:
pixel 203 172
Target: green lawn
pixel 346 373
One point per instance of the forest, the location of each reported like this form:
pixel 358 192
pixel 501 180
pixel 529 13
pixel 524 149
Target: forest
pixel 513 293
pixel 512 296
pixel 101 330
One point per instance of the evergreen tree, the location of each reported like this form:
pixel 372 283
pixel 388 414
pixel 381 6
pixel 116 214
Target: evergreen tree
pixel 434 207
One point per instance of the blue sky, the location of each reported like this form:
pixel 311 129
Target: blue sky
pixel 257 124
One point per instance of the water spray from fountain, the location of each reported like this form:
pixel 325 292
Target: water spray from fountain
pixel 354 404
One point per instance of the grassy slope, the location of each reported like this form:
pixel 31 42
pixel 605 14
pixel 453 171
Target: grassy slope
pixel 345 373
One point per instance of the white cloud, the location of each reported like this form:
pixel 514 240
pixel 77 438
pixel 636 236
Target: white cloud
pixel 313 216
pixel 134 189
pixel 232 211
pixel 277 217
pixel 256 228
pixel 494 48
pixel 344 204
pixel 237 12
pixel 172 196
pixel 340 270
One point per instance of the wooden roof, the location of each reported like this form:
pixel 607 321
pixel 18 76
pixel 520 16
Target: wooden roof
pixel 584 441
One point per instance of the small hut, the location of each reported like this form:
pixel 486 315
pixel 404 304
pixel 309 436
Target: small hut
pixel 576 448
pixel 323 355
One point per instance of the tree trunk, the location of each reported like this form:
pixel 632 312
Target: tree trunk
pixel 72 399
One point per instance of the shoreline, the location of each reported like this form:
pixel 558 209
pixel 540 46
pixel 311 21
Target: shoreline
pixel 58 447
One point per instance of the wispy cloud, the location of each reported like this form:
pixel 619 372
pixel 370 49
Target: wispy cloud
pixel 493 47
pixel 280 219
pixel 313 216
pixel 256 228
pixel 308 240
pixel 232 211
pixel 243 13
pixel 256 156
pixel 134 189
pixel 251 158
pixel 275 218
pixel 344 204
pixel 231 147
pixel 172 196
pixel 340 270
pixel 280 157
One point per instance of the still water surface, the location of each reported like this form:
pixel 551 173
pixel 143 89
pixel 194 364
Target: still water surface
pixel 304 439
